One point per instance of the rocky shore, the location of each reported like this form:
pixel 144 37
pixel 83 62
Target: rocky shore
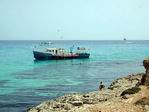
pixel 125 94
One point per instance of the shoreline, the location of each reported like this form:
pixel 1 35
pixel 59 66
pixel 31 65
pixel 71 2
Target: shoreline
pixel 126 94
pixel 82 102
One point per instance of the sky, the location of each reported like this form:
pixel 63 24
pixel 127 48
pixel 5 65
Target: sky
pixel 74 19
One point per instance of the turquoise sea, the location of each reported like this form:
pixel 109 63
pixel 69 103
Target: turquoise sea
pixel 25 82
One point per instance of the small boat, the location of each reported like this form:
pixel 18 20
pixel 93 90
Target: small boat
pixel 46 43
pixel 60 53
pixel 124 39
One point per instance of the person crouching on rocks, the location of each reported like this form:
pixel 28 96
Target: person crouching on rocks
pixel 101 88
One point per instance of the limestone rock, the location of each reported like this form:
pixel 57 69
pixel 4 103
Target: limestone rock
pixel 77 103
pixel 67 106
pixel 146 108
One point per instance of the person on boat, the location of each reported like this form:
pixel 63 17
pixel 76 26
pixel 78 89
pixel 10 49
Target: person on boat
pixel 71 50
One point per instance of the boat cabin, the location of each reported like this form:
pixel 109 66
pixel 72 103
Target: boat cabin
pixel 56 51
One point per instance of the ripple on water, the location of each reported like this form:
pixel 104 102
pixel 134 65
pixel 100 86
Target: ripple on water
pixel 3 83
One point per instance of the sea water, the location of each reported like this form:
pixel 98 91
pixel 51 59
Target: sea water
pixel 25 82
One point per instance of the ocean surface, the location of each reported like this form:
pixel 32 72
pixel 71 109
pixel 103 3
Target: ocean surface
pixel 25 82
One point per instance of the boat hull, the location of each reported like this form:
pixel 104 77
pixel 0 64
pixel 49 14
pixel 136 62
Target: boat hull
pixel 42 56
pixel 47 56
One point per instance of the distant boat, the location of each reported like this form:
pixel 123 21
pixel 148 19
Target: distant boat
pixel 60 53
pixel 124 39
pixel 46 43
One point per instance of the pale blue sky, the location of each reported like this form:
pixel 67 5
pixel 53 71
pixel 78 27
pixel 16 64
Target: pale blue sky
pixel 74 19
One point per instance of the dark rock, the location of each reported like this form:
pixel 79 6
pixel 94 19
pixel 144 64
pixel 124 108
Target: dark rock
pixel 77 103
pixel 145 77
pixel 132 90
pixel 106 99
pixel 86 95
pixel 146 63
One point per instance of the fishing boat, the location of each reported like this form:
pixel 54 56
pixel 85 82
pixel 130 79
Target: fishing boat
pixel 60 53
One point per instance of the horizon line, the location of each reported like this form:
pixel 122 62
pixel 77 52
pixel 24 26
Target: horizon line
pixel 71 40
